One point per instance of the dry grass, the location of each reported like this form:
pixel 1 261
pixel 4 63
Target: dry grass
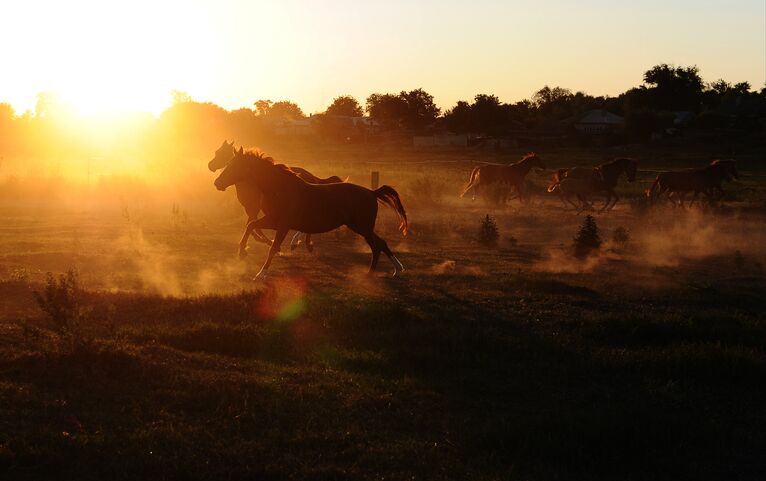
pixel 644 361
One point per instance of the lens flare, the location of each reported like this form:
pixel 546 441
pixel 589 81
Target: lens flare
pixel 284 300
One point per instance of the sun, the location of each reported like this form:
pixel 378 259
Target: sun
pixel 109 57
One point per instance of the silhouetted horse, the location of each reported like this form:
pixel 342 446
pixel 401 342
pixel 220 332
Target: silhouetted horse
pixel 708 180
pixel 513 174
pixel 583 181
pixel 251 197
pixel 289 202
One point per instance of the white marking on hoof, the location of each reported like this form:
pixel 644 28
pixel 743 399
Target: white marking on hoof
pixel 295 242
pixel 398 267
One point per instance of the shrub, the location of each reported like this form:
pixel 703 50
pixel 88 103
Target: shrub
pixel 620 236
pixel 587 239
pixel 60 300
pixel 488 233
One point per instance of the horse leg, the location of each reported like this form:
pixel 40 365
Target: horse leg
pixel 295 241
pixel 607 202
pixel 273 250
pixel 377 244
pixel 309 244
pixel 520 190
pixel 475 191
pixel 568 198
pixel 563 200
pixel 261 237
pixel 243 240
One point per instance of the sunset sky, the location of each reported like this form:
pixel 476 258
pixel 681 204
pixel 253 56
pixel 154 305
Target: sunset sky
pixel 106 56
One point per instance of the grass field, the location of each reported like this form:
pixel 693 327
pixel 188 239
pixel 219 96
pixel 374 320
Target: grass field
pixel 645 361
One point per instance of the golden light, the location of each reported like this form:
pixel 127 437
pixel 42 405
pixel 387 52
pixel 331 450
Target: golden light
pixel 105 57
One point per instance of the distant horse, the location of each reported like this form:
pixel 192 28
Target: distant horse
pixel 251 197
pixel 289 202
pixel 707 180
pixel 583 181
pixel 513 174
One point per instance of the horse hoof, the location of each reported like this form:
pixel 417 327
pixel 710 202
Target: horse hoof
pixel 261 276
pixel 310 247
pixel 242 252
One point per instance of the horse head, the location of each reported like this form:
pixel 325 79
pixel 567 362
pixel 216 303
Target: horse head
pixel 729 166
pixel 223 156
pixel 235 170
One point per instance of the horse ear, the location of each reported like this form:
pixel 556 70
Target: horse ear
pixel 241 150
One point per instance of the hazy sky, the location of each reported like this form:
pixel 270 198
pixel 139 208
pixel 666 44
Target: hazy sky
pixel 129 54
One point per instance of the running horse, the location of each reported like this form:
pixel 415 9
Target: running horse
pixel 513 174
pixel 583 181
pixel 251 198
pixel 290 202
pixel 706 180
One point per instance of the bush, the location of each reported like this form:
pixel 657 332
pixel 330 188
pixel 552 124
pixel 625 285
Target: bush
pixel 60 300
pixel 620 236
pixel 587 239
pixel 488 233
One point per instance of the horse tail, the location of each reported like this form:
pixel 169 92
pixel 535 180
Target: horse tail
pixel 650 190
pixel 387 195
pixel 556 180
pixel 474 175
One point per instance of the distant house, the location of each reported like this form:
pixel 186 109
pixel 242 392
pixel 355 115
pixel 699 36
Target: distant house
pixel 598 121
pixel 682 118
pixel 293 127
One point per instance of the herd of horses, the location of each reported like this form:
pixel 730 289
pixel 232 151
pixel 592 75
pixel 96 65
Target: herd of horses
pixel 292 198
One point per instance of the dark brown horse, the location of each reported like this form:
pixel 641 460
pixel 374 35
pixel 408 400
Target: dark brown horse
pixel 513 174
pixel 251 197
pixel 289 202
pixel 583 181
pixel 707 180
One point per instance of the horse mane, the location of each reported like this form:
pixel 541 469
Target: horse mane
pixel 255 153
pixel 260 156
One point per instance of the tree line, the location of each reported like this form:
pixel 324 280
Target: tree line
pixel 188 126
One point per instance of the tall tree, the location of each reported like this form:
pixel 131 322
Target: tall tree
pixel 674 88
pixel 421 109
pixel 389 110
pixel 345 105
pixel 283 109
